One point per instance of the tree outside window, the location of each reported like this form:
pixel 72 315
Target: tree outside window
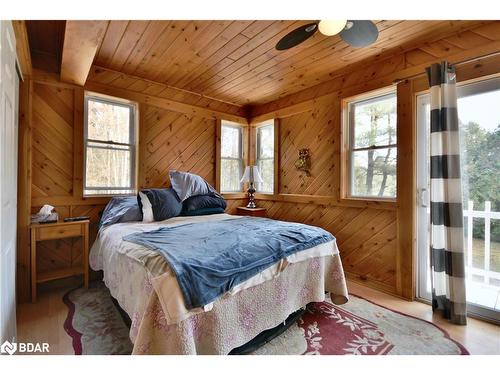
pixel 110 145
pixel 373 147
pixel 265 157
pixel 231 163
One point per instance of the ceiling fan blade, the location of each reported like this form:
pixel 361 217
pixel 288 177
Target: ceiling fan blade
pixel 360 34
pixel 297 36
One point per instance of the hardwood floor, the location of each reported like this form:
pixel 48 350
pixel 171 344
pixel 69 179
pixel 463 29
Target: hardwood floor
pixel 43 321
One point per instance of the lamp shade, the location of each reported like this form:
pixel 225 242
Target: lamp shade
pixel 251 174
pixel 331 27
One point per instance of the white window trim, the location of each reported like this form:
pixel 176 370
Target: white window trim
pixel 132 146
pixel 229 124
pixel 271 124
pixel 348 141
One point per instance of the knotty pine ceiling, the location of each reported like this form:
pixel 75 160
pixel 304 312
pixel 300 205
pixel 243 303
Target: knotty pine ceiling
pixel 236 62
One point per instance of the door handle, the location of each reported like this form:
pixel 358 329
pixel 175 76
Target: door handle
pixel 423 197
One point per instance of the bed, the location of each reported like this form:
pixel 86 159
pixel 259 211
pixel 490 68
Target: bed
pixel 146 288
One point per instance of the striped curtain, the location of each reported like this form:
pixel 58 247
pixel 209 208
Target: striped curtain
pixel 447 238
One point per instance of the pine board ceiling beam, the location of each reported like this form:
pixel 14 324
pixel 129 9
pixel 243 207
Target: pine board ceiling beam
pixel 81 43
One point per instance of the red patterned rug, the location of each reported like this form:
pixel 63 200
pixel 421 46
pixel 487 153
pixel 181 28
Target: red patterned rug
pixel 359 327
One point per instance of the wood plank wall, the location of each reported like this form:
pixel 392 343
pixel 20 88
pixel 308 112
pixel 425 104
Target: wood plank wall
pixel 51 171
pixel 54 172
pixel 314 130
pixel 176 141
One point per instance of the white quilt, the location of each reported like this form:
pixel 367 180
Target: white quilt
pixel 148 291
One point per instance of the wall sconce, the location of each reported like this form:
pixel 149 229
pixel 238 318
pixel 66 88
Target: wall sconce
pixel 303 163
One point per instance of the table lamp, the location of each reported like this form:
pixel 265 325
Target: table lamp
pixel 251 175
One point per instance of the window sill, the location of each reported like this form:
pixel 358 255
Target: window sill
pixel 370 198
pixel 371 202
pixel 329 200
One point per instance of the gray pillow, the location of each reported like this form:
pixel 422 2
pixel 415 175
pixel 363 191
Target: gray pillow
pixel 121 210
pixel 189 185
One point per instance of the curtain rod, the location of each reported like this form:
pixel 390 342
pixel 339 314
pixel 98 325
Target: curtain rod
pixel 398 80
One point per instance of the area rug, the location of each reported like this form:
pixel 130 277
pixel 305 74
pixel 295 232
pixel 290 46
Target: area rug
pixel 359 327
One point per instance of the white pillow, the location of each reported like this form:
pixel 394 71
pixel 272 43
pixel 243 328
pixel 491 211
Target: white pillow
pixel 147 208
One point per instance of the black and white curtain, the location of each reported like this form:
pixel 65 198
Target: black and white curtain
pixel 447 239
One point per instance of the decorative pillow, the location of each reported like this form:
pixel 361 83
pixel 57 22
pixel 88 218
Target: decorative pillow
pixel 204 211
pixel 121 210
pixel 212 200
pixel 146 207
pixel 189 185
pixel 164 204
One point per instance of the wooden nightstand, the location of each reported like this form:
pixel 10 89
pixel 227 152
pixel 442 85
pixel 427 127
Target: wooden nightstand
pixel 54 231
pixel 245 211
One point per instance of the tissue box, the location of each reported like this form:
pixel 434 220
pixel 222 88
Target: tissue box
pixel 45 219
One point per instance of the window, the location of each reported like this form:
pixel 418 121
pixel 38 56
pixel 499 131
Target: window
pixel 110 147
pixel 231 163
pixel 265 157
pixel 372 148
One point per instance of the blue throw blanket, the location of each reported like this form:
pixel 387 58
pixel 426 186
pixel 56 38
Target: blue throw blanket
pixel 210 258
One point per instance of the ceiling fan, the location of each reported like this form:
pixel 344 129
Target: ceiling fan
pixel 357 33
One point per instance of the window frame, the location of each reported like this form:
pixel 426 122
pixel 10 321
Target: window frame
pixel 270 123
pixel 132 147
pixel 347 154
pixel 229 124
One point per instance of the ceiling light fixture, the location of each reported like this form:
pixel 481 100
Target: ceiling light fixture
pixel 331 27
pixel 356 33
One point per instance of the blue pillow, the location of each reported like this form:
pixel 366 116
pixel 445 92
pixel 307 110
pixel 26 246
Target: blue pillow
pixel 204 211
pixel 189 185
pixel 212 200
pixel 121 210
pixel 164 202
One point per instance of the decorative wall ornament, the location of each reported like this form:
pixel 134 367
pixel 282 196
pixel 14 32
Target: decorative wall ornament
pixel 303 163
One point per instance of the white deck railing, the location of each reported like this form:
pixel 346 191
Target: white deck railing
pixel 487 215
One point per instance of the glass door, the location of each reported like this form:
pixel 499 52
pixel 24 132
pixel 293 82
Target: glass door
pixel 479 121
